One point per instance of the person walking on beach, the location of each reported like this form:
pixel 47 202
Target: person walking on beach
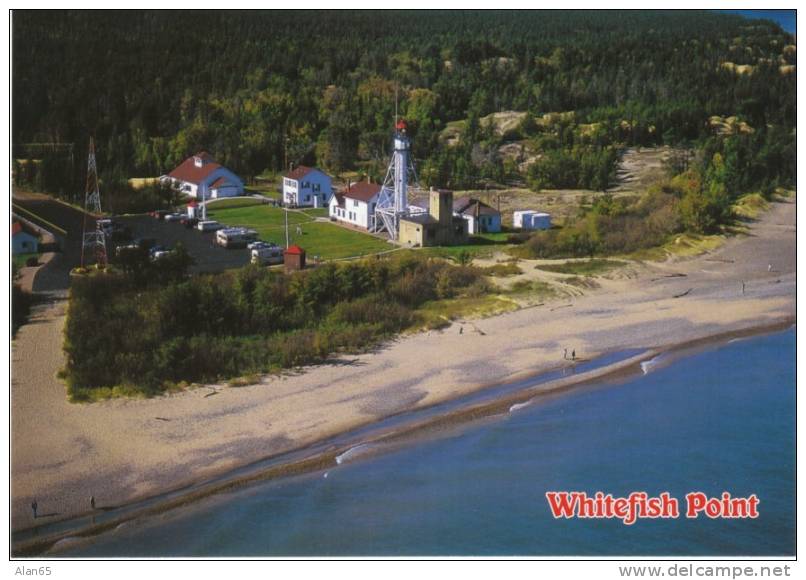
pixel 34 505
pixel 573 354
pixel 92 501
pixel 742 287
pixel 565 354
pixel 461 329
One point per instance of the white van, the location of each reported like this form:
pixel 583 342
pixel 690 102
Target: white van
pixel 267 255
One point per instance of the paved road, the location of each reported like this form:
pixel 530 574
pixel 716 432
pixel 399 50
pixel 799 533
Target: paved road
pixel 54 279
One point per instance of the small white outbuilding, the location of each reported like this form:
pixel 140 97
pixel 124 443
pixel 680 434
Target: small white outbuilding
pixel 531 220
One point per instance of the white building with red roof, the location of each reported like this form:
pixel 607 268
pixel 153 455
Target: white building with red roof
pixel 201 177
pixel 307 186
pixel 355 205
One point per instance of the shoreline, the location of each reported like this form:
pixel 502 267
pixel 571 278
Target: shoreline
pixel 324 453
pixel 127 452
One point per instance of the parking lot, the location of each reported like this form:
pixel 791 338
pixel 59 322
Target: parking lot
pixel 201 246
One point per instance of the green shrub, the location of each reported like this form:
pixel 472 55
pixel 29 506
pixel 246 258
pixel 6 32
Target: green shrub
pixel 157 332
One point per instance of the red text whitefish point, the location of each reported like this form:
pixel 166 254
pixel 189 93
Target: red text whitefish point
pixel 639 505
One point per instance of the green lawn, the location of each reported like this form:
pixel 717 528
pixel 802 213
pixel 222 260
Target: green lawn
pixel 256 216
pixel 269 191
pixel 326 240
pixel 329 241
pixel 214 205
pixel 316 211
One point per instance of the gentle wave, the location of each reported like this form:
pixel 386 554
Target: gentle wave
pixel 65 543
pixel 648 365
pixel 351 453
pixel 517 406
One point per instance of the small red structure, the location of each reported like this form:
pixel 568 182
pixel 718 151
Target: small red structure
pixel 294 258
pixel 401 125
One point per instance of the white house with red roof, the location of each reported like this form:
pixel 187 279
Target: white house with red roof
pixel 355 205
pixel 307 186
pixel 200 176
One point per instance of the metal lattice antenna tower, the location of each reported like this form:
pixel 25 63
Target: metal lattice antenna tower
pixel 393 201
pixel 94 240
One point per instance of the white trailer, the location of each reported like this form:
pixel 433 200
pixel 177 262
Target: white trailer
pixel 267 255
pixel 235 237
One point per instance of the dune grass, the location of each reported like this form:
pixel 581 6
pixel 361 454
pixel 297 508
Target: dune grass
pixel 591 267
pixel 439 313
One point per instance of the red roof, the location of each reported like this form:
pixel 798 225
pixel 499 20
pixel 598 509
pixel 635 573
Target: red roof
pixel 294 250
pixel 299 172
pixel 187 170
pixel 16 227
pixel 362 191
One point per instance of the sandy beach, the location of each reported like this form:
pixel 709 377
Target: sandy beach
pixel 120 451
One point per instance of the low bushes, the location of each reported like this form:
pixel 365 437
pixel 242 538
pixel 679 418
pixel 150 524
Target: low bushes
pixel 149 333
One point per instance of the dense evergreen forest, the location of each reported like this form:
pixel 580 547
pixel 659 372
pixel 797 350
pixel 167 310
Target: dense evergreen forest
pixel 263 89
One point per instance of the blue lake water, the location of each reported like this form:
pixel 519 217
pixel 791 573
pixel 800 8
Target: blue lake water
pixel 718 420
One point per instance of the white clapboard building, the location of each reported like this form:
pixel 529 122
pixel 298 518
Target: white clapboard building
pixel 307 186
pixel 355 205
pixel 201 177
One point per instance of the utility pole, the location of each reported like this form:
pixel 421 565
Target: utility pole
pixel 285 209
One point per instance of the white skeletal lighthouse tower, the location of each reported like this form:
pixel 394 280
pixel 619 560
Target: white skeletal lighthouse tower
pixel 393 201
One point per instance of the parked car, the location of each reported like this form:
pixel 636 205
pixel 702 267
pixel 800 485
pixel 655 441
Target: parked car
pixel 159 213
pixel 173 217
pixel 158 252
pixel 189 222
pixel 258 244
pixel 121 250
pixel 145 243
pixel 208 226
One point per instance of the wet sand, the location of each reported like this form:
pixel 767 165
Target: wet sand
pixel 124 450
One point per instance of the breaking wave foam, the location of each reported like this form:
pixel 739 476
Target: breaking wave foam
pixel 517 406
pixel 351 453
pixel 648 365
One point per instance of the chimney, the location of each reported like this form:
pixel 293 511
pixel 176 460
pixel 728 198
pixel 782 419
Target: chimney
pixel 440 206
pixel 349 185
